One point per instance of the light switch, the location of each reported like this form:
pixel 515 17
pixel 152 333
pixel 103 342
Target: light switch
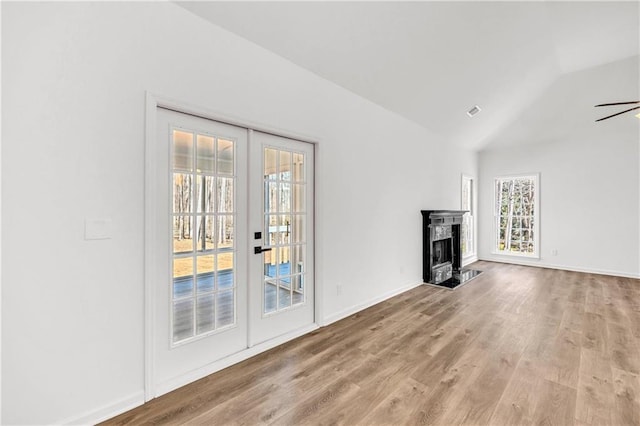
pixel 97 229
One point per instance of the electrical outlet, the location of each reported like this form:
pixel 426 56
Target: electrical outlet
pixel 339 289
pixel 98 228
pixel 554 252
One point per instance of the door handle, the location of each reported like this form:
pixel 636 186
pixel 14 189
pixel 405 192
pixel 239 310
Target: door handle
pixel 258 250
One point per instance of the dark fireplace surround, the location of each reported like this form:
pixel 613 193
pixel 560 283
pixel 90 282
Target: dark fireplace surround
pixel 441 249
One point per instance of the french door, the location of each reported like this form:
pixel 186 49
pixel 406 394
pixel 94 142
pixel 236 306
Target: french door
pixel 201 293
pixel 281 267
pixel 233 264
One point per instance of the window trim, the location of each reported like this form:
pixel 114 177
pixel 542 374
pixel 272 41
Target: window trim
pixel 473 252
pixel 536 217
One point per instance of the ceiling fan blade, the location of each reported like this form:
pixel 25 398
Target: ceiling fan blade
pixel 619 103
pixel 618 113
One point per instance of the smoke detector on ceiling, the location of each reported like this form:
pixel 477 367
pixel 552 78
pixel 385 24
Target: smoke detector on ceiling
pixel 473 111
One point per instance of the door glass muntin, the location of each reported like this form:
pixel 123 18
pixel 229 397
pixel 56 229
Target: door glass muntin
pixel 203 296
pixel 284 215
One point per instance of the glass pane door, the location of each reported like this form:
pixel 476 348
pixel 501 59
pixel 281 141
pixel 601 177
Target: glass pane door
pixel 198 245
pixel 281 220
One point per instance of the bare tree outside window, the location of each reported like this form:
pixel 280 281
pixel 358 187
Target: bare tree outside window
pixel 516 215
pixel 203 213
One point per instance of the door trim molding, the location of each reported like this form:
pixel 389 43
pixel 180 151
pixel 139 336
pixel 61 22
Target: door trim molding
pixel 209 114
pixel 150 244
pixel 152 103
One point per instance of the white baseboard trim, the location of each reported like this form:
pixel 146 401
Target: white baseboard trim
pixel 357 308
pixel 469 260
pixel 192 376
pixel 562 267
pixel 106 412
pixel 113 409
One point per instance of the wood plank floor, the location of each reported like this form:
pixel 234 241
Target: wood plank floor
pixel 517 345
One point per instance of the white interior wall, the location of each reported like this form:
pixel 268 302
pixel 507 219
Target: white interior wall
pixel 590 172
pixel 74 77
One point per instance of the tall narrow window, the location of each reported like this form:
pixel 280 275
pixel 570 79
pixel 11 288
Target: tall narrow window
pixel 516 215
pixel 467 242
pixel 203 215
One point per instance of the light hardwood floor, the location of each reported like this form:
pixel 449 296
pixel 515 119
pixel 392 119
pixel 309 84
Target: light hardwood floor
pixel 517 345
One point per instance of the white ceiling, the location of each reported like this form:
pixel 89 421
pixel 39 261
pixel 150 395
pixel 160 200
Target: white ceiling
pixel 432 61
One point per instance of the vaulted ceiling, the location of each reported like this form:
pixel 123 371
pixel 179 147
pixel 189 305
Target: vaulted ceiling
pixel 432 61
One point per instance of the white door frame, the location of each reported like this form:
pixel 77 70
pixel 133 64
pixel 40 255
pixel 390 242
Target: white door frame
pixel 151 278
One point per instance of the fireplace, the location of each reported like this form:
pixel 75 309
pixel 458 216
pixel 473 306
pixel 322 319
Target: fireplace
pixel 441 249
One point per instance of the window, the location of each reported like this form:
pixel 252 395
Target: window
pixel 516 215
pixel 467 229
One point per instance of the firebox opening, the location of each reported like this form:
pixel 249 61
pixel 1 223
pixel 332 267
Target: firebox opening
pixel 442 252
